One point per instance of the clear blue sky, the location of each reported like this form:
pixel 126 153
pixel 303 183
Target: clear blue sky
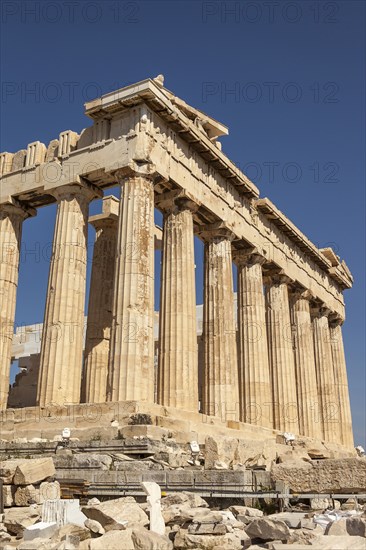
pixel 286 77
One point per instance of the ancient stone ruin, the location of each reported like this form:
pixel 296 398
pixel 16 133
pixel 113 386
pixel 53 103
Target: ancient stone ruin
pixel 275 365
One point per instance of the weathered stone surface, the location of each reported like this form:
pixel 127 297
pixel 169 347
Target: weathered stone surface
pixel 219 449
pixel 182 513
pixel 84 460
pixel 33 471
pixel 8 495
pixel 94 526
pixel 17 519
pixel 7 469
pixel 71 529
pixel 40 530
pixel 337 542
pixel 246 511
pixel 113 540
pixel 267 529
pixel 292 519
pixel 29 494
pixel 230 541
pixel 356 526
pixel 338 527
pixel 348 474
pixel 319 503
pixel 113 514
pixel 302 536
pixel 296 454
pixel 153 492
pixel 192 499
pixel 256 453
pixel 38 544
pixel 146 540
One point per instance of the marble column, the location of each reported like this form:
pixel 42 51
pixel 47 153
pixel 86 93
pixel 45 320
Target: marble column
pixel 12 216
pixel 220 391
pixel 328 396
pixel 341 381
pixel 178 353
pixel 254 377
pixel 98 332
pixel 63 328
pixel 131 363
pixel 307 391
pixel 281 354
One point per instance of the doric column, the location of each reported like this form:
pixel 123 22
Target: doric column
pixel 178 354
pixel 12 216
pixel 220 392
pixel 63 329
pixel 340 373
pixel 307 391
pixel 131 363
pixel 328 396
pixel 255 394
pixel 281 354
pixel 98 332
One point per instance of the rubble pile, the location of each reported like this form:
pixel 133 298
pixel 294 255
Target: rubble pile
pixel 36 518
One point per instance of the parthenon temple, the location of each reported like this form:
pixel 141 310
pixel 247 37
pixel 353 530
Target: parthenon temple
pixel 270 354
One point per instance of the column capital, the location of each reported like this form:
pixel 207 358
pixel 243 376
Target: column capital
pixel 82 187
pixel 14 207
pixel 335 320
pixel 146 170
pixel 320 310
pixel 277 277
pixel 175 201
pixel 248 257
pixel 215 231
pixel 297 293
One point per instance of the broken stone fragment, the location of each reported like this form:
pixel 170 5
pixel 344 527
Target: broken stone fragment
pixel 94 526
pixel 117 513
pixel 33 470
pixel 192 499
pixel 41 530
pixel 17 519
pixel 267 529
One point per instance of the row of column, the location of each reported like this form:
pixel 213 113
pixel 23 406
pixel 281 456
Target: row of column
pixel 292 380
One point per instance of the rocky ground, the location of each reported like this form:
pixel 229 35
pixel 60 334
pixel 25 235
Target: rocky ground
pixel 179 521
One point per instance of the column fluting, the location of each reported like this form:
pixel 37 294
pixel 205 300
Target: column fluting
pixel 63 328
pixel 341 380
pixel 131 363
pixel 281 354
pixel 12 216
pixel 178 353
pixel 328 395
pixel 220 391
pixel 254 376
pixel 98 332
pixel 307 391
